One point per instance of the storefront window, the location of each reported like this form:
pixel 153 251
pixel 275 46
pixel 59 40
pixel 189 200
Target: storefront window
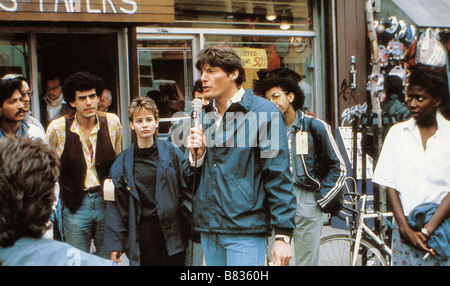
pixel 265 56
pixel 236 14
pixel 14 54
pixel 165 75
pixel 267 45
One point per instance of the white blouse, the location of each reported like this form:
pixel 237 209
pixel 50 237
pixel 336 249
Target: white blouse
pixel 418 175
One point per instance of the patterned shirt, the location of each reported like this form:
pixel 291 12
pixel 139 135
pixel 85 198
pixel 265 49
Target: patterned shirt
pixel 56 136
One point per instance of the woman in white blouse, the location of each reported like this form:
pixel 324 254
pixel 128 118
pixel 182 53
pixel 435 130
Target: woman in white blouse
pixel 414 166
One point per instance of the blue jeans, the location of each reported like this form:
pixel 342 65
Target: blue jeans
pixel 233 250
pixel 87 223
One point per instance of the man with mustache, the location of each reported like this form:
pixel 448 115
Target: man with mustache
pixel 12 110
pixel 87 143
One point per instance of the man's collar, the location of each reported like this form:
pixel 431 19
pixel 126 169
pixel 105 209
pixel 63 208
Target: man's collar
pixel 298 119
pixel 54 102
pixel 237 97
pixel 21 131
pixel 395 97
pixel 75 128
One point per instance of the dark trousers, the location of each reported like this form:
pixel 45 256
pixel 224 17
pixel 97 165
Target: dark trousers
pixel 153 245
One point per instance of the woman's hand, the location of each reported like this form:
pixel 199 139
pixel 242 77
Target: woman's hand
pixel 416 239
pixel 115 256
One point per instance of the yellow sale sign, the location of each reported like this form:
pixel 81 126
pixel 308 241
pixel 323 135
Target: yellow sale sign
pixel 253 58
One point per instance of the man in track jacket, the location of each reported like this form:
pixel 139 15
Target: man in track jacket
pixel 316 164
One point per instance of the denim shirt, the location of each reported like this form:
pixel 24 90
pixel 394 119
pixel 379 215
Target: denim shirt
pixel 21 131
pixel 25 130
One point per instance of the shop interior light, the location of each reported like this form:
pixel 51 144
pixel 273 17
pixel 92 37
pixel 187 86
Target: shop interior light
pixel 271 12
pixel 285 25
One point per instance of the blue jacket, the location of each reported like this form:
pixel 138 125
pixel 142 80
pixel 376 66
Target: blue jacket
pixel 324 175
pixel 123 214
pixel 395 110
pixel 440 238
pixel 244 182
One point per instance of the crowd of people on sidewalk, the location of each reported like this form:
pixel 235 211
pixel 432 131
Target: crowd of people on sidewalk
pixel 250 174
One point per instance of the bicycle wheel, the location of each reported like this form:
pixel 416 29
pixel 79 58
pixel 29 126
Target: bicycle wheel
pixel 335 250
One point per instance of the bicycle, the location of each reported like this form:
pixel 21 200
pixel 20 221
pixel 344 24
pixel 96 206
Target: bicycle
pixel 355 249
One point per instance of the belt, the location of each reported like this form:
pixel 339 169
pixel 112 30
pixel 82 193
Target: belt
pixel 94 189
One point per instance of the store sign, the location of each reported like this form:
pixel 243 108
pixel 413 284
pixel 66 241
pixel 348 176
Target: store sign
pixel 137 11
pixel 253 58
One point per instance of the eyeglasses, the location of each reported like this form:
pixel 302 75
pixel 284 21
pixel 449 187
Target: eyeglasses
pixel 12 76
pixel 29 93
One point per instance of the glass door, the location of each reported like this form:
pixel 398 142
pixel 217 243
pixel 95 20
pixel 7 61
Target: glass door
pixel 14 54
pixel 165 75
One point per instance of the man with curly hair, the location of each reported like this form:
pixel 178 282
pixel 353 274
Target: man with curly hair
pixel 87 143
pixel 29 171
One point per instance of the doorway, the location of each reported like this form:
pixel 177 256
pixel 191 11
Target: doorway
pixel 61 55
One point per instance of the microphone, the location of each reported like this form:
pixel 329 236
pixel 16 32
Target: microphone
pixel 197 105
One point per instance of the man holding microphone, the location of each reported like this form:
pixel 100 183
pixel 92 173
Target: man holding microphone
pixel 244 188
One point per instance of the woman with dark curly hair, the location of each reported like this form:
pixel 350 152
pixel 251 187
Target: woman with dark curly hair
pixel 29 171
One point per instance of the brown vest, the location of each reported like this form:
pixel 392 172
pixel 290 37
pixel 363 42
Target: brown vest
pixel 73 164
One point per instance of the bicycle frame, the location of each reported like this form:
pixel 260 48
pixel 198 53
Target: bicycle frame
pixel 362 227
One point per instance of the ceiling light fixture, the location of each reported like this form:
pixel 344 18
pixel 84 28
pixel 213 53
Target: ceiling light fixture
pixel 271 12
pixel 285 25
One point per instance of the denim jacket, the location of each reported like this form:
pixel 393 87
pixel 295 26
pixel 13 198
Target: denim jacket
pixel 244 182
pixel 440 238
pixel 323 173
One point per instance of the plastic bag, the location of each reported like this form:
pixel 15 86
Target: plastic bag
pixel 430 51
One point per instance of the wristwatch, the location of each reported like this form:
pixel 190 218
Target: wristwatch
pixel 286 239
pixel 425 232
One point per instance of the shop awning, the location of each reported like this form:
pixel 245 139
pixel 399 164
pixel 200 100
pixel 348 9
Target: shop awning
pixel 427 13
